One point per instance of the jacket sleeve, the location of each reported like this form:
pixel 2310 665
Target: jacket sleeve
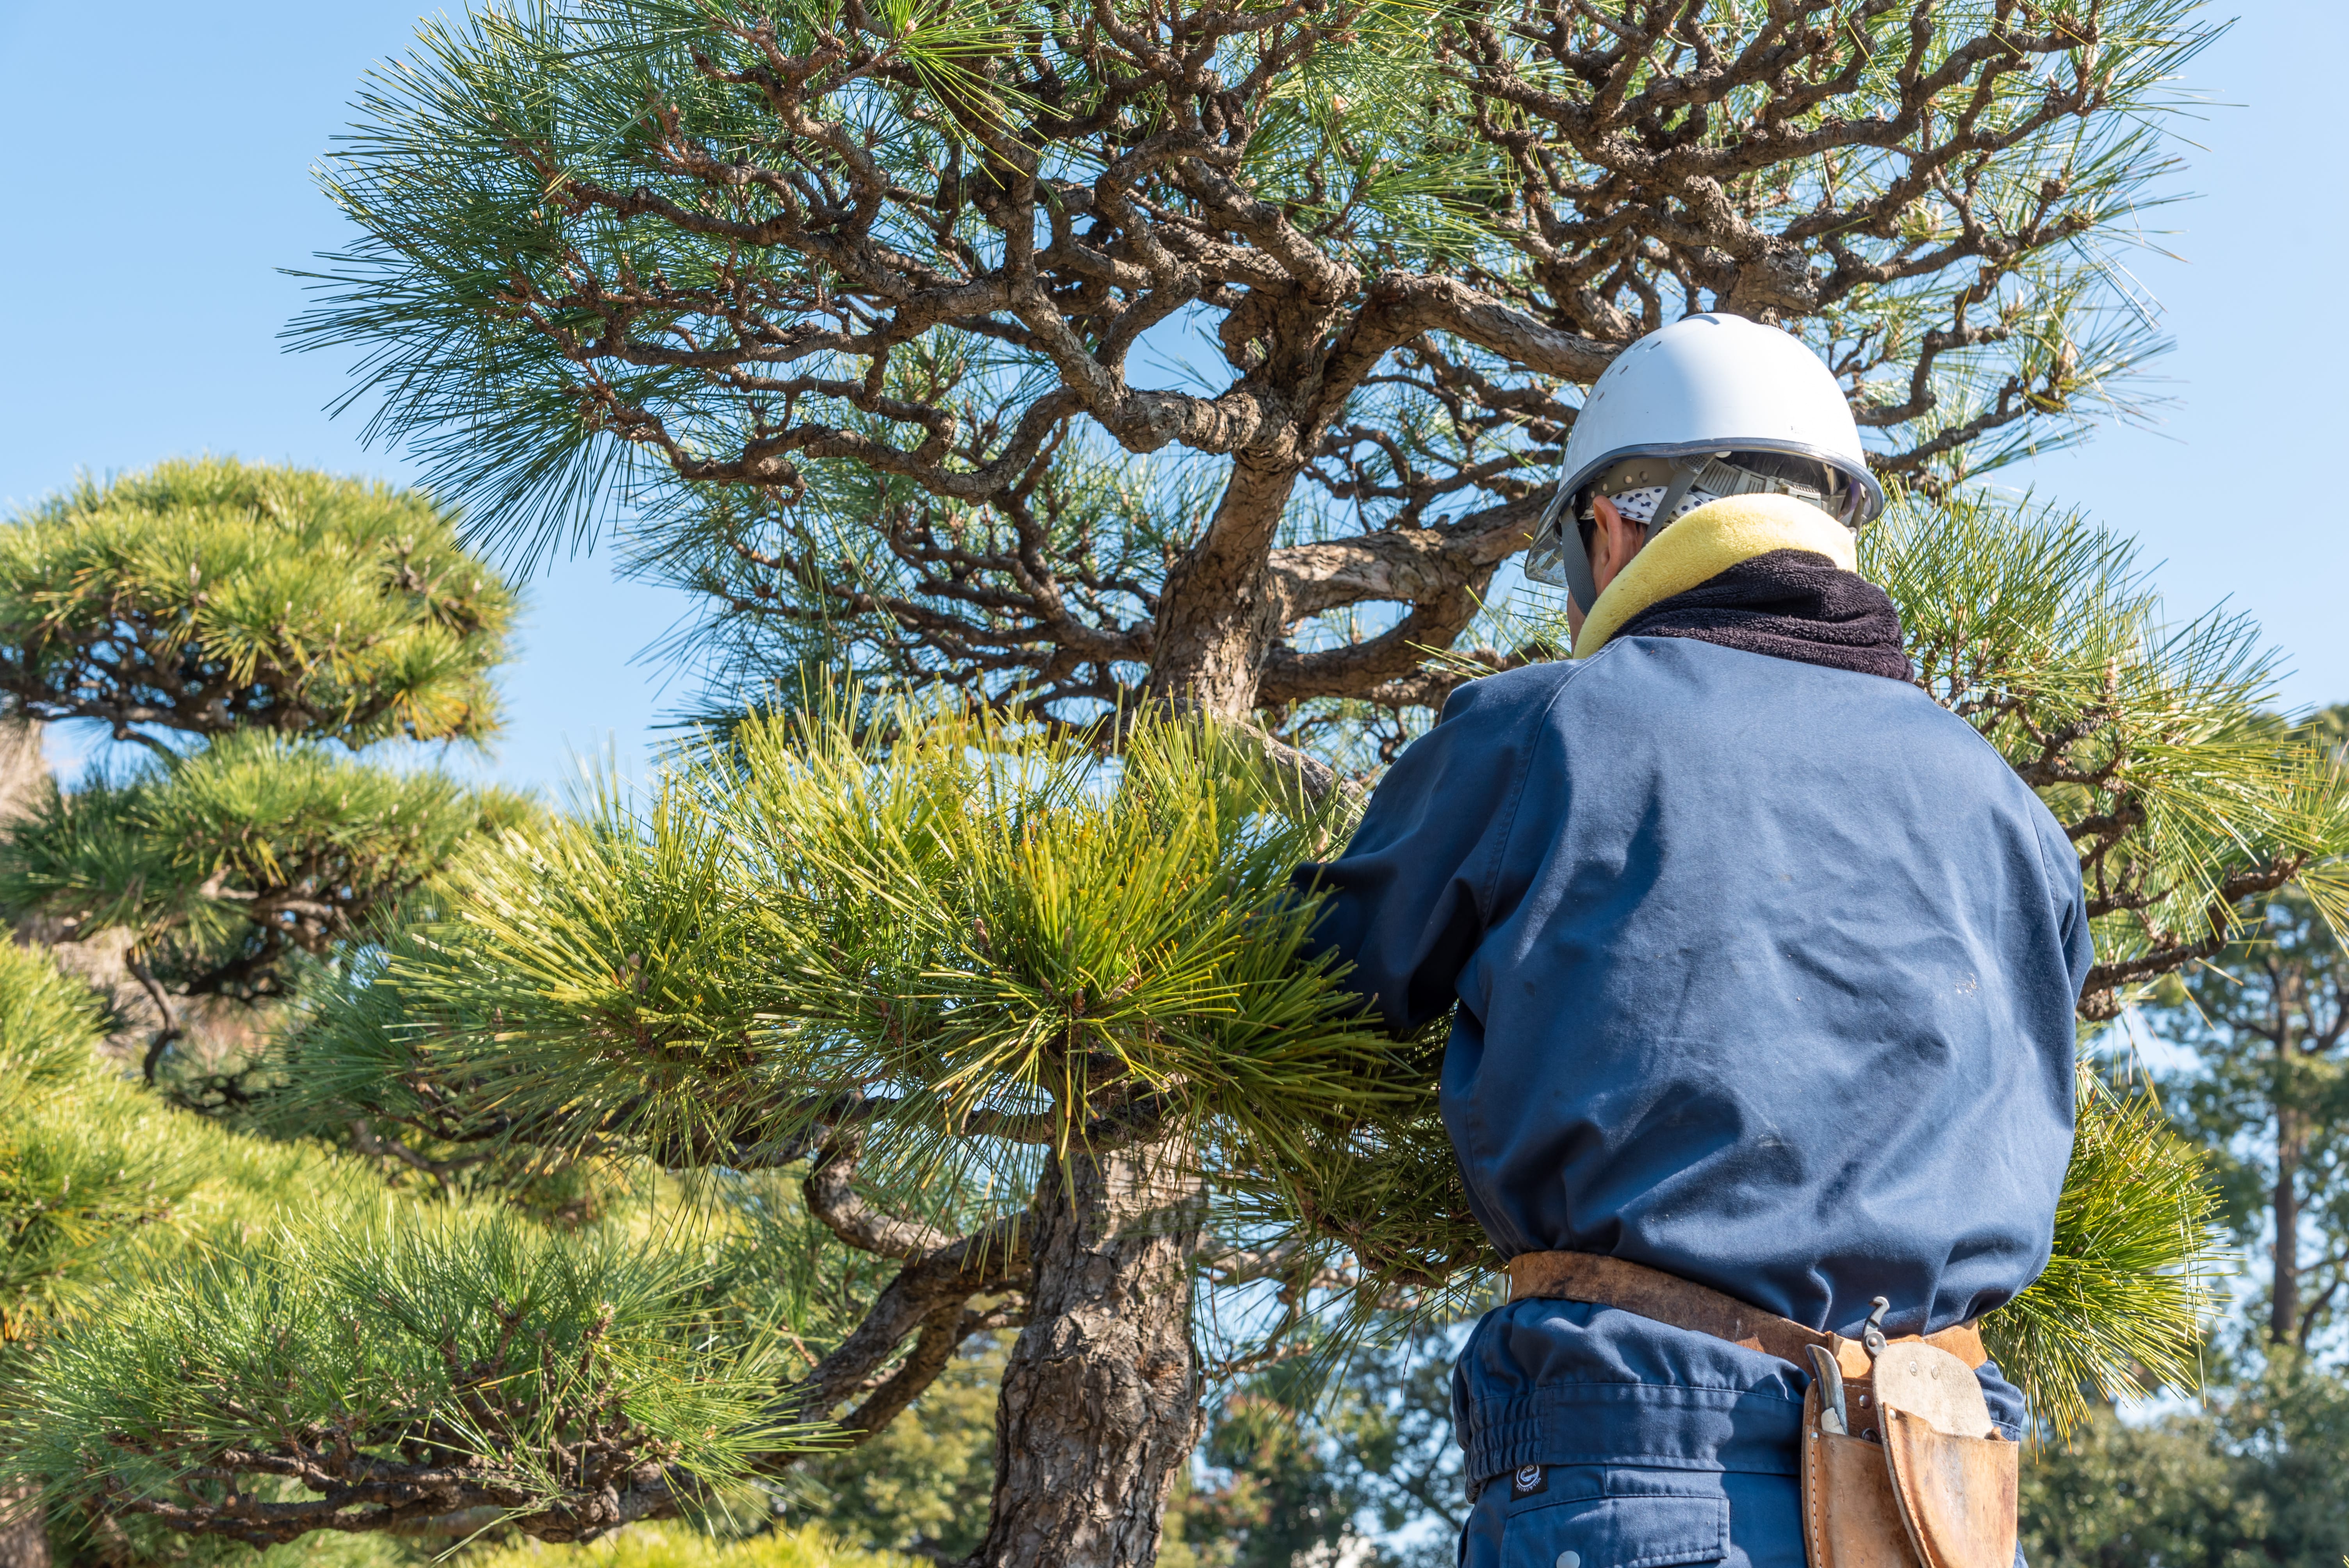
pixel 2079 946
pixel 1407 902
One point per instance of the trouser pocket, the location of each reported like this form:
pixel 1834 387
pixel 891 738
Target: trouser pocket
pixel 1616 1533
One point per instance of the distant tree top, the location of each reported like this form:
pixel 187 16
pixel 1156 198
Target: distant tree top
pixel 213 594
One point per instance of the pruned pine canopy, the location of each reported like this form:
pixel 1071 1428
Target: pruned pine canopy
pixel 251 626
pixel 201 597
pixel 1059 353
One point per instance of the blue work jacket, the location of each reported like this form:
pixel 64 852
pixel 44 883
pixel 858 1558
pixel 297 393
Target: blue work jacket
pixel 1764 976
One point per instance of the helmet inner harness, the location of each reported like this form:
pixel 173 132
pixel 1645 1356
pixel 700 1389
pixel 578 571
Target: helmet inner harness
pixel 1653 492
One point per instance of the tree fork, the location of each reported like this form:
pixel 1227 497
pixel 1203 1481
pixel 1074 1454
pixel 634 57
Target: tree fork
pixel 1100 1401
pixel 1221 611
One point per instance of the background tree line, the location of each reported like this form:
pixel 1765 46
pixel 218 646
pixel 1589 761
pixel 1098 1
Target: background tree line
pixel 924 1039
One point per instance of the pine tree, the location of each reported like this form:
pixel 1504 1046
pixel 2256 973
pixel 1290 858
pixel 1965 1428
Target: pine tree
pixel 245 625
pixel 958 989
pixel 246 629
pixel 215 597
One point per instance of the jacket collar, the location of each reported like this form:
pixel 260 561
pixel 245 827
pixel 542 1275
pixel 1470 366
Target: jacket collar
pixel 1707 542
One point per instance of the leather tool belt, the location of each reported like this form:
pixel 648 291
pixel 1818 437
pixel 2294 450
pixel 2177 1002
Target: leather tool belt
pixel 1903 1466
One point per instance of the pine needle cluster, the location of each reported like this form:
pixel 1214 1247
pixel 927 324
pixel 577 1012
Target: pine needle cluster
pixel 183 1305
pixel 81 1166
pixel 220 862
pixel 951 933
pixel 402 1371
pixel 211 595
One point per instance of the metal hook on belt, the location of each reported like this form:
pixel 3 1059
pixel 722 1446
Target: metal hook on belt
pixel 1872 1336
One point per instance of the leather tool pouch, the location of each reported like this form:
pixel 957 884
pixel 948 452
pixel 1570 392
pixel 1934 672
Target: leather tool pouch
pixel 1902 1467
pixel 1921 1479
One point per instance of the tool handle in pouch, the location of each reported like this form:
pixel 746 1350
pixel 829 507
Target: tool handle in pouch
pixel 1851 1515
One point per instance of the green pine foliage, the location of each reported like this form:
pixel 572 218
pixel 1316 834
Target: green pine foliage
pixel 970 925
pixel 227 867
pixel 219 862
pixel 170 1288
pixel 568 1364
pixel 486 174
pixel 980 924
pixel 212 595
pixel 83 1164
pixel 49 1023
pixel 94 1170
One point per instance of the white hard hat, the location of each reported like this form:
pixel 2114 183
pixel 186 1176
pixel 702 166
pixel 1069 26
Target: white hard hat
pixel 1706 386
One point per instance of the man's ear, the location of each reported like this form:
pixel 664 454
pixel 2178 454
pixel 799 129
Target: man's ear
pixel 1613 542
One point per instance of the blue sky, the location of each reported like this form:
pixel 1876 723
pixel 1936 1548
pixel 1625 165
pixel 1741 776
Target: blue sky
pixel 160 176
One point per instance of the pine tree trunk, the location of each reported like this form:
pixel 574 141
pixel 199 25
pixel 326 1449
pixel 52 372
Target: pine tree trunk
pixel 2283 1295
pixel 1100 1401
pixel 1219 611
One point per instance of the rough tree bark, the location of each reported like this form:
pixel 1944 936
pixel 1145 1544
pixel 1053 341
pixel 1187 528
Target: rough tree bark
pixel 1220 611
pixel 1101 1399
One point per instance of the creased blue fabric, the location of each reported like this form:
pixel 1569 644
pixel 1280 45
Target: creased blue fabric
pixel 1765 974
